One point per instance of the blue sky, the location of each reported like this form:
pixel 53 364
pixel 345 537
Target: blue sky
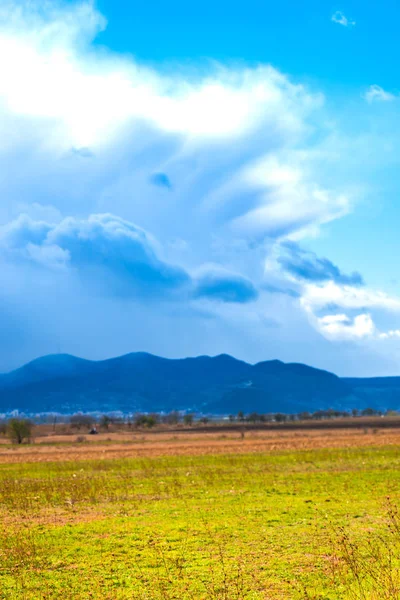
pixel 194 179
pixel 296 37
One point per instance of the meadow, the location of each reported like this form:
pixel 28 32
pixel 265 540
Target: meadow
pixel 272 516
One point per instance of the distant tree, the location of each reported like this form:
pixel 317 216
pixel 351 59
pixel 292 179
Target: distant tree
pixel 330 413
pixel 268 418
pixel 188 419
pixel 204 420
pixel 151 420
pixel 253 417
pixel 304 416
pixel 80 420
pixel 3 427
pixel 369 412
pixel 280 417
pixel 172 418
pixel 145 420
pixel 155 417
pixel 231 418
pixel 240 416
pixel 117 422
pixel 139 420
pixel 106 421
pixel 19 430
pixel 355 412
pixel 319 414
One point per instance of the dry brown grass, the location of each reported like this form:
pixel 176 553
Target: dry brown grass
pixel 152 444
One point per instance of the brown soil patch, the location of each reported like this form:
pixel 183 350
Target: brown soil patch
pixel 152 445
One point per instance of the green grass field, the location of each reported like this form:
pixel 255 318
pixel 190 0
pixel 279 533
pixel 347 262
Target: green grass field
pixel 206 527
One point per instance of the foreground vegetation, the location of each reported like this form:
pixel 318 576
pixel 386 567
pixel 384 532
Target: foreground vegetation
pixel 305 524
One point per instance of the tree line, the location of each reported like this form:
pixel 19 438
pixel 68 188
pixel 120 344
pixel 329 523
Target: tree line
pixel 19 430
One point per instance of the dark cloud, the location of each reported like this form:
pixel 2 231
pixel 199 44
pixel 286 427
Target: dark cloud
pixel 308 266
pixel 275 289
pixel 103 249
pixel 215 283
pixel 116 257
pixel 161 180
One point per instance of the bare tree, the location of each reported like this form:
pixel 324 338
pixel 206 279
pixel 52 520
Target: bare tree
pixel 80 420
pixel 106 421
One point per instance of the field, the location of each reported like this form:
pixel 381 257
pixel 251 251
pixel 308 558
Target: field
pixel 273 515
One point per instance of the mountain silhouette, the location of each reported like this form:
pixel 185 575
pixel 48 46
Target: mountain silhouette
pixel 217 385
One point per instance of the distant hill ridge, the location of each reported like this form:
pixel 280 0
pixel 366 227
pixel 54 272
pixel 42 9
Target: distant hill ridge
pixel 218 385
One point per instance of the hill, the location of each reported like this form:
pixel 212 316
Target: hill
pixel 217 385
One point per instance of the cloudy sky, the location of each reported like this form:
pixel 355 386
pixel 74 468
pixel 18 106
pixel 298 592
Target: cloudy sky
pixel 190 179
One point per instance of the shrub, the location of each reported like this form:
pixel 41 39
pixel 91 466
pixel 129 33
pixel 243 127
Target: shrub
pixel 369 569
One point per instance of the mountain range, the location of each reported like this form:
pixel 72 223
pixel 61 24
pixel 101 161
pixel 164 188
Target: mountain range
pixel 141 382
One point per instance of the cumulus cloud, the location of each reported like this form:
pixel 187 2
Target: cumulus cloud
pixel 38 211
pixel 215 283
pixel 341 19
pixel 362 326
pixel 117 256
pixel 375 93
pixel 348 312
pixel 102 246
pixel 342 327
pixel 316 297
pixel 44 77
pixel 308 266
pixel 391 334
pixel 224 135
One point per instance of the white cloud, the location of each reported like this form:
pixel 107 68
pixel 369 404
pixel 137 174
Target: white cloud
pixel 233 130
pixel 341 19
pixel 391 334
pixel 376 93
pixel 39 212
pixel 316 297
pixel 285 197
pixel 342 327
pixel 45 77
pixel 347 322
